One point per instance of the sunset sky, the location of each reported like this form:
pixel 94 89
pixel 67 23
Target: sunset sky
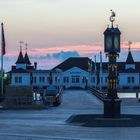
pixel 53 26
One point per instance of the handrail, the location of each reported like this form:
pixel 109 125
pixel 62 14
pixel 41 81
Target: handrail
pixel 98 93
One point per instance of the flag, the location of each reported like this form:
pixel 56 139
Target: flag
pixel 31 78
pixel 90 66
pixel 50 79
pixel 2 40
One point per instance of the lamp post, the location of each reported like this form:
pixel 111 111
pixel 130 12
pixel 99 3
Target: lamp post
pixel 112 48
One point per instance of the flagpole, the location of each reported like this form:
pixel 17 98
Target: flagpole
pixel 2 54
pixel 90 68
pixel 95 72
pixel 1 71
pixel 100 70
pixel 1 65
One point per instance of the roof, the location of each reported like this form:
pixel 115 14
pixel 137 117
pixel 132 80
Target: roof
pixel 20 70
pixel 112 30
pixel 20 59
pixel 26 59
pixel 80 62
pixel 129 59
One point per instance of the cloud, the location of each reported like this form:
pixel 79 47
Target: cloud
pixel 42 60
pixel 64 55
pixel 50 57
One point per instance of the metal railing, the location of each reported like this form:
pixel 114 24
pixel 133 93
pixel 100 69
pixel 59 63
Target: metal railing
pixel 98 94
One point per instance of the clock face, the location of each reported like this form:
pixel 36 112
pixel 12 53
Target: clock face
pixel 108 43
pixel 116 43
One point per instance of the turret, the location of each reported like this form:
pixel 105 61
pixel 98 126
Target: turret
pixel 130 61
pixel 20 63
pixel 26 58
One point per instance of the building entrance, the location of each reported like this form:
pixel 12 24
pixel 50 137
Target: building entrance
pixel 75 81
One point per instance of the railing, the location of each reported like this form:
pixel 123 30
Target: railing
pixel 98 93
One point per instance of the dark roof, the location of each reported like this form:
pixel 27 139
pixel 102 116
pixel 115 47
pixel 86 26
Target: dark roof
pixel 26 59
pixel 129 59
pixel 80 62
pixel 20 70
pixel 20 59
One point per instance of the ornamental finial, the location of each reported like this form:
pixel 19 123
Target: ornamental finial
pixel 21 42
pixel 129 44
pixel 112 17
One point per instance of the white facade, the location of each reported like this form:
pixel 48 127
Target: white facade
pixel 37 78
pixel 20 79
pixel 75 77
pixel 73 72
pixel 130 80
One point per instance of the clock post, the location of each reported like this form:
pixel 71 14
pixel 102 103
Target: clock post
pixel 112 48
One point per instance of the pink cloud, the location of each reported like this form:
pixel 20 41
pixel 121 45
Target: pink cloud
pixel 83 50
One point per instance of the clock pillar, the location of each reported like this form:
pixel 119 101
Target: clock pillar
pixel 112 48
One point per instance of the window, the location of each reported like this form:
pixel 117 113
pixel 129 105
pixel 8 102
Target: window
pixel 41 79
pixel 18 79
pixel 106 79
pixel 55 79
pixel 75 79
pixel 66 79
pixel 34 79
pixel 130 80
pixel 48 79
pixel 84 79
pixel 93 80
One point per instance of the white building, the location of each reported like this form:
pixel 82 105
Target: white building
pixel 25 74
pixel 74 72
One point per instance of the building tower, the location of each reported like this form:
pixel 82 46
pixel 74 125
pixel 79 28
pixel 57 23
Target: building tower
pixel 20 63
pixel 129 61
pixel 26 58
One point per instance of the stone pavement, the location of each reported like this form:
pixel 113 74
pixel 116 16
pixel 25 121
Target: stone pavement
pixel 50 124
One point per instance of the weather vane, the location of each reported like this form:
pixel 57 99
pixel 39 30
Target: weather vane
pixel 21 42
pixel 112 17
pixel 129 43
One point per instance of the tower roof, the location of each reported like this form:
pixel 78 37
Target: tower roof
pixel 129 59
pixel 26 59
pixel 20 59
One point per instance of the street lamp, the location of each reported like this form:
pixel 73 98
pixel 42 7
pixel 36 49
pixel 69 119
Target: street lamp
pixel 112 48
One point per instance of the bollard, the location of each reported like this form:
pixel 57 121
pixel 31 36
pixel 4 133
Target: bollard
pixel 137 95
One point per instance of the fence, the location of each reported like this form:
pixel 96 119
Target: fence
pixel 98 93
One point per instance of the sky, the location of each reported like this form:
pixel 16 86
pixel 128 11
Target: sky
pixel 73 27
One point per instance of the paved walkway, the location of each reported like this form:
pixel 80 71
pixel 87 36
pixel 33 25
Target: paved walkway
pixel 50 124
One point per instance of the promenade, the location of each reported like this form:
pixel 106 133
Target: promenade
pixel 49 124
